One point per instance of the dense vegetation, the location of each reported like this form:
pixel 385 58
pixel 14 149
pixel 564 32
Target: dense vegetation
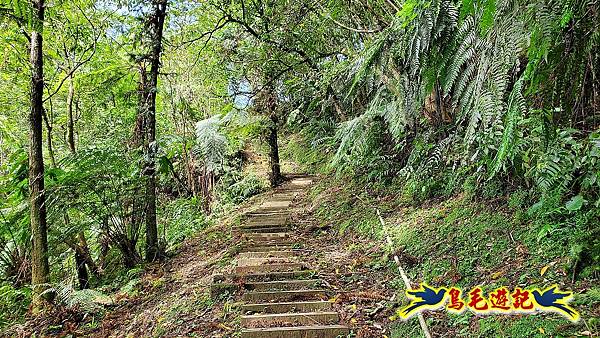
pixel 126 126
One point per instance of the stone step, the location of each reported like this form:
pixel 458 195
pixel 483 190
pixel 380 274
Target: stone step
pixel 278 267
pixel 292 295
pixel 285 195
pixel 316 331
pixel 287 190
pixel 267 215
pixel 265 247
pixel 260 221
pixel 257 213
pixel 264 277
pixel 274 206
pixel 287 307
pixel 260 229
pixel 288 319
pixel 262 224
pixel 268 235
pixel 284 285
pixel 267 254
pixel 278 195
pixel 261 241
pixel 256 261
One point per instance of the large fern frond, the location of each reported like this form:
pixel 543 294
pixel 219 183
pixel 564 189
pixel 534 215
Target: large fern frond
pixel 211 144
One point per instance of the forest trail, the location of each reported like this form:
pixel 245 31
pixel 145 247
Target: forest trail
pixel 281 296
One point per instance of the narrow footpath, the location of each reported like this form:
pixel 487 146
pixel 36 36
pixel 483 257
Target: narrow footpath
pixel 281 295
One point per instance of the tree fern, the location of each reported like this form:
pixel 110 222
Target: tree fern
pixel 364 63
pixel 353 136
pixel 211 144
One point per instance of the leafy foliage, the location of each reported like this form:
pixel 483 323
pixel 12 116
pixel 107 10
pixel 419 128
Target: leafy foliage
pixel 482 96
pixel 211 145
pixel 487 97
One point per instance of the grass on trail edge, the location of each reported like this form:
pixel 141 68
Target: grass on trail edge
pixel 462 242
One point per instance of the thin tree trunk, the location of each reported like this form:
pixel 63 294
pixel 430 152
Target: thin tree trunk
pixel 156 24
pixel 49 143
pixel 39 232
pixel 275 177
pixel 78 252
pixel 127 247
pixel 87 257
pixel 70 119
pixel 104 245
pixel 336 104
pixel 139 133
pixel 189 169
pixel 82 273
pixel 80 247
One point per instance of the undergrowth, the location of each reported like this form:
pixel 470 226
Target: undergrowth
pixel 475 237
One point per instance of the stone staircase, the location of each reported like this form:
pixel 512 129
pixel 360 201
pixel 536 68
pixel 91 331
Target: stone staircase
pixel 281 296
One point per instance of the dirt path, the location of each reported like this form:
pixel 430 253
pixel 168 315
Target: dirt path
pixel 281 296
pixel 268 270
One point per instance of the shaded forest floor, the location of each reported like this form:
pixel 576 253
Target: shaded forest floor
pixel 455 241
pixel 173 298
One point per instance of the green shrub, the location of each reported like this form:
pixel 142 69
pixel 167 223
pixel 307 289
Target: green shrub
pixel 234 188
pixel 181 218
pixel 13 303
pixel 416 190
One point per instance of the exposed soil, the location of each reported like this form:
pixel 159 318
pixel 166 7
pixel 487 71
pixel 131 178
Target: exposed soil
pixel 174 297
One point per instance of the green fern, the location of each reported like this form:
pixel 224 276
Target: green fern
pixel 516 110
pixel 87 300
pixel 211 144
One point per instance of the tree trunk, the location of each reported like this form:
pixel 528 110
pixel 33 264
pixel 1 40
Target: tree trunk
pixel 39 232
pixel 127 247
pixel 139 133
pixel 82 273
pixel 50 145
pixel 275 177
pixel 79 253
pixel 336 104
pixel 87 256
pixel 104 245
pixel 70 119
pixel 156 24
pixel 80 247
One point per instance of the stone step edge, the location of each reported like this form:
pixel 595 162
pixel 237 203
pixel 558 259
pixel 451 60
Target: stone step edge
pixel 289 314
pixel 280 285
pixel 308 302
pixel 298 328
pixel 284 274
pixel 309 318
